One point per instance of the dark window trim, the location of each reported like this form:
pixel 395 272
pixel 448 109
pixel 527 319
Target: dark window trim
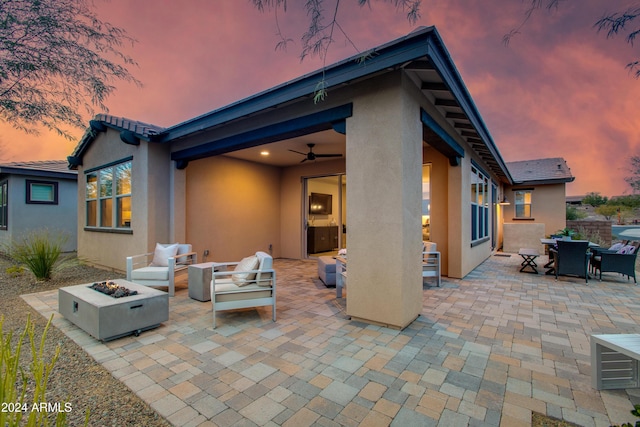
pixel 108 165
pixel 96 170
pixel 523 189
pixel 6 207
pixel 29 201
pixel 480 168
pixel 109 230
pixel 523 219
pixel 479 242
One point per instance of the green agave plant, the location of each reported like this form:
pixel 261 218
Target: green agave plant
pixel 40 251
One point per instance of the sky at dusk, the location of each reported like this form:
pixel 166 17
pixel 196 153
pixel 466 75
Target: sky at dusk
pixel 559 89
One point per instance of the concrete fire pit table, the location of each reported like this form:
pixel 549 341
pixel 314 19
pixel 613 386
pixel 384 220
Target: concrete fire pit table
pixel 107 318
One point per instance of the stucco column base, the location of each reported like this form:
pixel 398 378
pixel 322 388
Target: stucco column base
pixel 384 325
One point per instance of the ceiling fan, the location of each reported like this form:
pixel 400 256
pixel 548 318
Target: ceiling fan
pixel 312 156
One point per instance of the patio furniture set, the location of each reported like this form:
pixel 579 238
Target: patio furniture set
pixel 581 257
pixel 250 282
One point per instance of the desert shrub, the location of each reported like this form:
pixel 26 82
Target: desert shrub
pixel 40 252
pixel 16 381
pixel 573 214
pixel 583 234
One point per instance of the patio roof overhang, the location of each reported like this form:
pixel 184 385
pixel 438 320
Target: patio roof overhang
pixel 421 54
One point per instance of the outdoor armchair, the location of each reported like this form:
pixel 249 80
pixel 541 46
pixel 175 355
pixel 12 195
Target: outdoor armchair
pixel 571 258
pixel 160 267
pixel 247 283
pixel 430 261
pixel 613 261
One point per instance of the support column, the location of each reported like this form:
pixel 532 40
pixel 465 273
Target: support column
pixel 384 170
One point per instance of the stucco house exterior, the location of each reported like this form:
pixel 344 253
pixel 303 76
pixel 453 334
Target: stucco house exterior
pixel 537 202
pixel 411 158
pixel 38 195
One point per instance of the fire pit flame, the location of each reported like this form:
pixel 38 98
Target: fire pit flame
pixel 112 289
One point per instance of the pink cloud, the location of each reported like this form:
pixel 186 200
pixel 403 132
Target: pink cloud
pixel 559 88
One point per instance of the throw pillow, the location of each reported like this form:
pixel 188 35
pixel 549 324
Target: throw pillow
pixel 247 264
pixel 162 253
pixel 629 249
pixel 183 249
pixel 616 247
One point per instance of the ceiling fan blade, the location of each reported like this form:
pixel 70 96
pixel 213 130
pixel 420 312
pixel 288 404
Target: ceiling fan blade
pixel 328 155
pixel 304 160
pixel 298 152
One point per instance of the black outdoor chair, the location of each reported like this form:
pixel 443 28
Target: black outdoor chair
pixel 571 258
pixel 613 262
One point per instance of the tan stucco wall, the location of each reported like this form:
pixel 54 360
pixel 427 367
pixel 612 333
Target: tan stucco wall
pixel 232 208
pixel 150 184
pixel 548 207
pixel 523 235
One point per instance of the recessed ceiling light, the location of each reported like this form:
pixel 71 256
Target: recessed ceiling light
pixel 264 153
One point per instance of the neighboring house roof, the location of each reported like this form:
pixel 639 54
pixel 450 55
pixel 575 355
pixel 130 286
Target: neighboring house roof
pixel 43 168
pixel 541 171
pixel 421 54
pixel 574 200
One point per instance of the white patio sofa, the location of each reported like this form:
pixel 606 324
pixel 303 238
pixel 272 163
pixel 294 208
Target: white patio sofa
pixel 162 266
pixel 251 283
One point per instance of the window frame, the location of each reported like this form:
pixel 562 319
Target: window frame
pixel 516 205
pixel 107 192
pixel 480 205
pixel 29 192
pixel 4 204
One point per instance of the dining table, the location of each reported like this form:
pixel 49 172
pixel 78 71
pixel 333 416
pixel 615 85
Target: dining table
pixel 552 242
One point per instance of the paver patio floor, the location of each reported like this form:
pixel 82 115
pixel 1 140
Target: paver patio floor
pixel 485 351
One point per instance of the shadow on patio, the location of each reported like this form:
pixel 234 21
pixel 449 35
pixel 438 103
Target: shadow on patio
pixel 486 350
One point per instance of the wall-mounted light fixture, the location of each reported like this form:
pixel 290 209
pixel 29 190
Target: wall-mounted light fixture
pixel 504 201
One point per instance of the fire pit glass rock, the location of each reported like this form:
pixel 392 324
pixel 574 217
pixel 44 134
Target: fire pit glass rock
pixel 112 289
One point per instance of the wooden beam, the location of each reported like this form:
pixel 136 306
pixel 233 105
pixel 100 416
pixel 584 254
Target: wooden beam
pixel 435 86
pixel 462 125
pixel 447 102
pixel 452 115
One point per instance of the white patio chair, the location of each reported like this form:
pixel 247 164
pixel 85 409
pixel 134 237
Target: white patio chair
pixel 248 283
pixel 160 267
pixel 430 261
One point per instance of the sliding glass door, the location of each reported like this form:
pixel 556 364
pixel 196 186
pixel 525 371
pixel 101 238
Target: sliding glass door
pixel 324 214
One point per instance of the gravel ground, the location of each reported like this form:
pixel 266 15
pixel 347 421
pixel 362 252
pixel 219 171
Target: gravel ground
pixel 77 378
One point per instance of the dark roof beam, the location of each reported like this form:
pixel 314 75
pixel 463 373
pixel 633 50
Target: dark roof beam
pixel 459 116
pixel 463 125
pixel 447 102
pixel 435 86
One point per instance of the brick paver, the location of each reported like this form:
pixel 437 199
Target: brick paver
pixel 487 350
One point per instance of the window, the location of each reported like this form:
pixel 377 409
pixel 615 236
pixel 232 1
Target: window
pixel 479 205
pixel 108 196
pixel 523 203
pixel 42 192
pixel 4 204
